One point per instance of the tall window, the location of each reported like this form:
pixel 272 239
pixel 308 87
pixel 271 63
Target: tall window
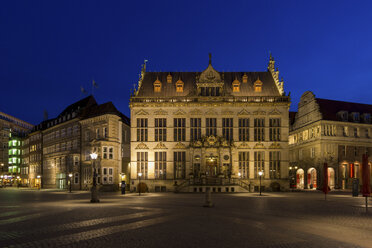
pixel 107 175
pixel 274 164
pixel 105 132
pixel 244 164
pixel 160 165
pixel 211 126
pixel 244 129
pixel 259 129
pixel 160 129
pixel 258 162
pixel 107 152
pixel 227 128
pixel 142 164
pixel 111 153
pixel 179 129
pixel 142 125
pixel 179 165
pixel 195 129
pixel 274 129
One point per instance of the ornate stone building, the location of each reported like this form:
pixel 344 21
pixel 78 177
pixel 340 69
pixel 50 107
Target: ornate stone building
pixel 335 132
pixel 61 146
pixel 192 130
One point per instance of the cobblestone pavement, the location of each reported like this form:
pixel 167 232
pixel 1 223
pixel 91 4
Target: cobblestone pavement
pixel 294 219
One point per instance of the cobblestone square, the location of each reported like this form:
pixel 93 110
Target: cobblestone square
pixel 44 218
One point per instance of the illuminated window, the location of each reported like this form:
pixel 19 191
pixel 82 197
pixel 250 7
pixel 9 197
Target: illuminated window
pixel 179 86
pixel 169 78
pixel 236 86
pixel 258 85
pixel 157 85
pixel 245 78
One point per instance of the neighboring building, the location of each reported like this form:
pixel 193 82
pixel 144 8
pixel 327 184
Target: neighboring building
pixel 62 146
pixel 335 132
pixel 12 130
pixel 192 130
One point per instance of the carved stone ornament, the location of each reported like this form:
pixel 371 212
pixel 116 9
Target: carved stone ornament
pixel 275 112
pixel 196 112
pixel 243 112
pixel 210 75
pixel 259 146
pixel 142 146
pixel 141 112
pixel 243 145
pixel 211 112
pixel 160 112
pixel 179 112
pixel 160 146
pixel 227 112
pixel 259 112
pixel 179 145
pixel 275 146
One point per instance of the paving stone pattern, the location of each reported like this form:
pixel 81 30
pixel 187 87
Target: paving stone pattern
pixel 47 218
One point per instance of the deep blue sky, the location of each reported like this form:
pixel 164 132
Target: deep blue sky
pixel 48 49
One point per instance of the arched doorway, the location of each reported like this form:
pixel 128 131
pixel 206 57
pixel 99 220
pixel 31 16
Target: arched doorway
pixel 300 179
pixel 211 166
pixel 331 178
pixel 311 178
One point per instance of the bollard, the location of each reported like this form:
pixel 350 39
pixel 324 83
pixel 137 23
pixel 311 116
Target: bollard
pixel 208 198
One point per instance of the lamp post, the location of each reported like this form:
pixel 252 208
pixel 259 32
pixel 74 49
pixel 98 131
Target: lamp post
pixel 139 183
pixel 260 173
pixel 70 176
pixel 39 182
pixel 94 195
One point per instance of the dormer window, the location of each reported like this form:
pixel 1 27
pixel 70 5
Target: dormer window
pixel 236 85
pixel 157 85
pixel 343 115
pixel 258 85
pixel 169 78
pixel 367 118
pixel 355 117
pixel 245 78
pixel 179 86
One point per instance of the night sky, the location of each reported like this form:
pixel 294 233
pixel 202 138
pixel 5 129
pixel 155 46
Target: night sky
pixel 48 49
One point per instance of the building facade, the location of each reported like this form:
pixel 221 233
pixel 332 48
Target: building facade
pixel 192 130
pixel 60 148
pixel 327 131
pixel 12 131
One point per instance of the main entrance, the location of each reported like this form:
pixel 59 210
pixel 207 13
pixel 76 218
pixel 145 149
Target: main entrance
pixel 211 166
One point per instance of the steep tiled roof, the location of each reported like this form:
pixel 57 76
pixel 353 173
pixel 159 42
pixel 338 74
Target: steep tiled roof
pixel 269 87
pixel 330 108
pixel 86 102
pixel 105 108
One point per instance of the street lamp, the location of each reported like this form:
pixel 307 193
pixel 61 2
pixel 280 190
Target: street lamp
pixel 139 183
pixel 94 195
pixel 260 173
pixel 239 174
pixel 38 182
pixel 70 176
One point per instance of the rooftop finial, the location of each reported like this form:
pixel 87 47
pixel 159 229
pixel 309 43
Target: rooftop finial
pixel 210 58
pixel 271 56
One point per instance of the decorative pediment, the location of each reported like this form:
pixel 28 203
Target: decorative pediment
pixel 142 146
pixel 196 112
pixel 259 112
pixel 160 146
pixel 243 112
pixel 210 75
pixel 211 112
pixel 243 145
pixel 227 112
pixel 141 112
pixel 179 112
pixel 275 112
pixel 179 145
pixel 275 146
pixel 160 112
pixel 259 146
